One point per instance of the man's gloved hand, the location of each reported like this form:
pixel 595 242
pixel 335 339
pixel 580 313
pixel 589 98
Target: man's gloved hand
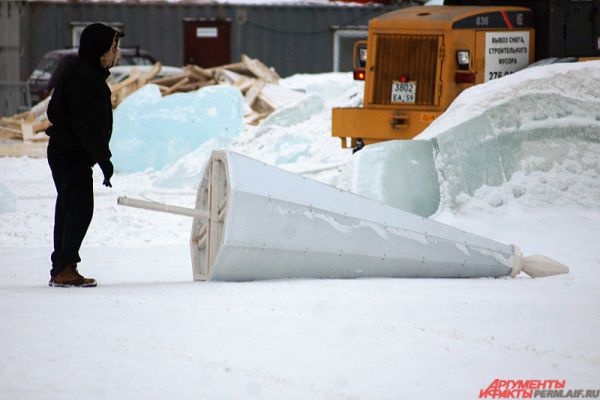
pixel 107 169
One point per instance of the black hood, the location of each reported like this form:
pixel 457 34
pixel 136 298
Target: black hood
pixel 96 39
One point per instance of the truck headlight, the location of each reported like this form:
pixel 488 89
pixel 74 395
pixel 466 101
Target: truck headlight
pixel 463 59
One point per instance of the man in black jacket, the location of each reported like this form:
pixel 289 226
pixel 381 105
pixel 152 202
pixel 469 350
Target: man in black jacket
pixel 81 115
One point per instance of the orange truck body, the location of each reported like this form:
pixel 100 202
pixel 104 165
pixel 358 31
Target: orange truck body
pixel 412 71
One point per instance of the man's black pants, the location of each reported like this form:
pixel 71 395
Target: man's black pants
pixel 74 206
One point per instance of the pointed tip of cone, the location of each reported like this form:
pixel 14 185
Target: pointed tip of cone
pixel 538 266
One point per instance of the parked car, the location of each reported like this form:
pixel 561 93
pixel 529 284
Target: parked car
pixel 44 76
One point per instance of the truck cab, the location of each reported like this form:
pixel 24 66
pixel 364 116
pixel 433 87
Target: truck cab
pixel 419 59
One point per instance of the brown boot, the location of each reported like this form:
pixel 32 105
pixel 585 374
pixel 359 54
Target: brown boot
pixel 69 277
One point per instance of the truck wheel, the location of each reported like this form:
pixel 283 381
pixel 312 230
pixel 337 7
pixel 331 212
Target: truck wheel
pixel 359 145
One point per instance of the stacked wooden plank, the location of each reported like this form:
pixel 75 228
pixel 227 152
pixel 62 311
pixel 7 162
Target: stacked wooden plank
pixel 28 126
pixel 249 75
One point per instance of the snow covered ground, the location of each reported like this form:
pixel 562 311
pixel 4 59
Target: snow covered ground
pixel 148 331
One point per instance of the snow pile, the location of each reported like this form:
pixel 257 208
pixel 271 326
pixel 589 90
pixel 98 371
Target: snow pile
pixel 8 201
pixel 28 221
pixel 541 125
pixel 296 137
pixel 150 131
pixel 532 136
pixel 552 173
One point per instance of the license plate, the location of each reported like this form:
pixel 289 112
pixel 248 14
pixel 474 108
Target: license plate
pixel 404 92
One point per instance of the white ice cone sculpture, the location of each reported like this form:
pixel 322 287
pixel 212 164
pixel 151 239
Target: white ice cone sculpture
pixel 253 221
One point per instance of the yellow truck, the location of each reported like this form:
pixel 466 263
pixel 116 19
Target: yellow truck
pixel 418 59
